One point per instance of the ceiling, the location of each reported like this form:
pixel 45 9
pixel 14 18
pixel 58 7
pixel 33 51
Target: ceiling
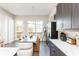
pixel 28 8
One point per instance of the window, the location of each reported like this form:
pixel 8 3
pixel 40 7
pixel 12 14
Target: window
pixel 35 26
pixel 39 25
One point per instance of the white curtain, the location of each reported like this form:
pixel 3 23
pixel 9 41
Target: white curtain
pixel 6 28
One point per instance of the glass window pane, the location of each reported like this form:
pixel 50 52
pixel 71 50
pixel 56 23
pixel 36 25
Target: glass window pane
pixel 35 25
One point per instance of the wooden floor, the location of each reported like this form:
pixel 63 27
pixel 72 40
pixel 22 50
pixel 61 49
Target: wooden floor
pixel 44 50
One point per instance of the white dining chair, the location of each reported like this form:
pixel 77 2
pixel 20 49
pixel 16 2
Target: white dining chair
pixel 25 49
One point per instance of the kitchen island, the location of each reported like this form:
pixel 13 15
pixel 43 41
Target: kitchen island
pixel 66 48
pixel 8 51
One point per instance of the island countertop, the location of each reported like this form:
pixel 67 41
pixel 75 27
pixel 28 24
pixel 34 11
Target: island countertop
pixel 66 48
pixel 8 51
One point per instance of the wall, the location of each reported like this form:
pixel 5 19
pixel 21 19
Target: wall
pixel 5 12
pixel 72 33
pixel 6 26
pixel 51 19
pixel 51 14
pixel 24 19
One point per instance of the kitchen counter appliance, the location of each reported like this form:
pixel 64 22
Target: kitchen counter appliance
pixel 63 36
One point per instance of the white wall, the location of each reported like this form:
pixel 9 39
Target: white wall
pixel 6 26
pixel 4 12
pixel 51 14
pixel 31 18
pixel 51 19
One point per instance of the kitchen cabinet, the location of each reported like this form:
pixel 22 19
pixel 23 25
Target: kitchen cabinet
pixel 54 51
pixel 75 15
pixel 59 17
pixel 10 51
pixel 66 15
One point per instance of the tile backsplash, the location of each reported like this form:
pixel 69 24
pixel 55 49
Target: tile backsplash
pixel 70 33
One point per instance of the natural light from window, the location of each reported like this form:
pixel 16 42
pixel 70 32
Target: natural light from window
pixel 35 26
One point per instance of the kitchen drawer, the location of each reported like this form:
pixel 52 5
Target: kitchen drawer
pixel 54 51
pixel 59 52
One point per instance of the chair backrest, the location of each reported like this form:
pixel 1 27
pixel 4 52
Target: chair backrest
pixel 37 42
pixel 25 45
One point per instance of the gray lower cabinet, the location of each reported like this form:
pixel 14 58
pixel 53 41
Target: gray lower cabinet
pixel 55 51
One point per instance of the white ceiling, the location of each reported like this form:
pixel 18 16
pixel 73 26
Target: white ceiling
pixel 28 8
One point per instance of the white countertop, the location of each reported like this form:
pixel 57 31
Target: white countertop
pixel 68 49
pixel 8 51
